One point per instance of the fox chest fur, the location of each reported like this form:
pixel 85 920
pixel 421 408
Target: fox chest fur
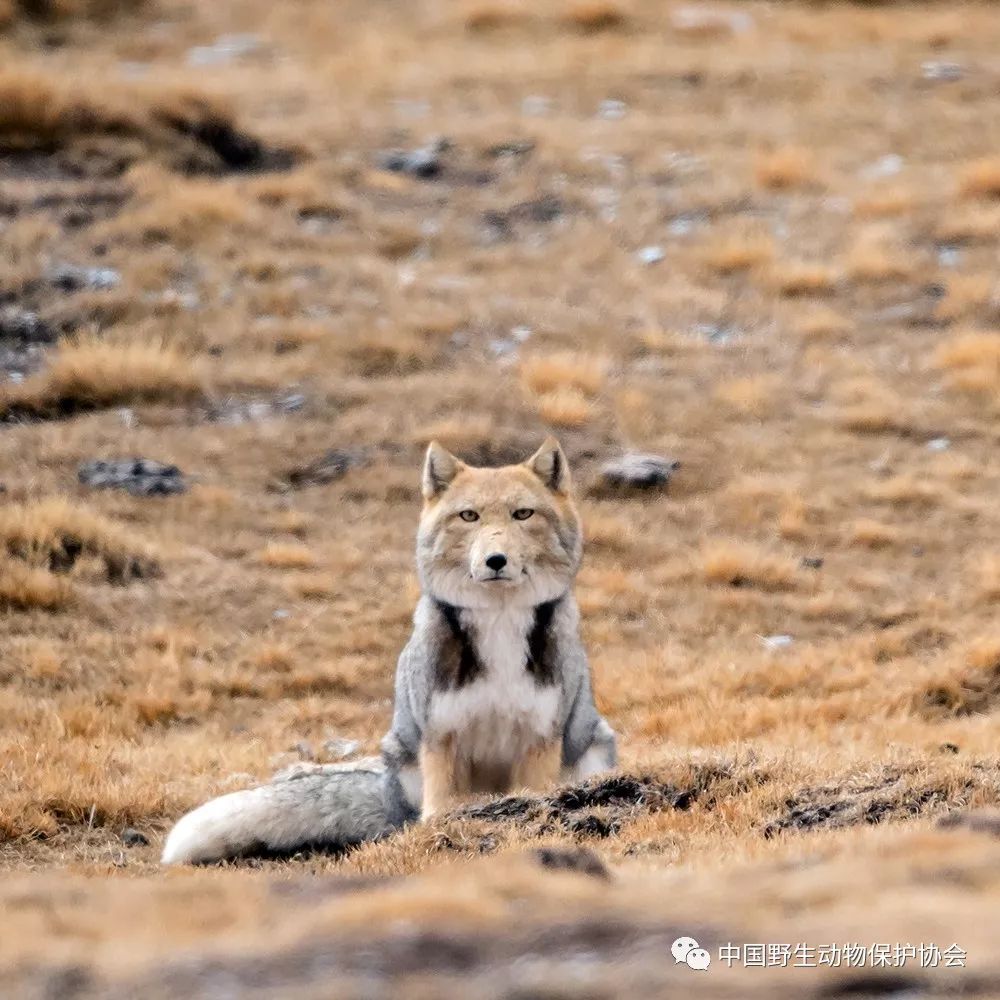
pixel 495 697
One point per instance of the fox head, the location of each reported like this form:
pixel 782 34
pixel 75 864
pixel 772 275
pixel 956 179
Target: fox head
pixel 490 537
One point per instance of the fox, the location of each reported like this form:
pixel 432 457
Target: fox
pixel 493 691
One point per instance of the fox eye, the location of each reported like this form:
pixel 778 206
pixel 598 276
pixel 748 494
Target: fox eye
pixel 468 515
pixel 522 513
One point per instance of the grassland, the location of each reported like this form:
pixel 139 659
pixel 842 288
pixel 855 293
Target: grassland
pixel 762 241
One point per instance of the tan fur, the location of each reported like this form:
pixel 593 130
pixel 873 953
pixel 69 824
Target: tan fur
pixel 547 544
pixel 438 767
pixel 449 776
pixel 538 769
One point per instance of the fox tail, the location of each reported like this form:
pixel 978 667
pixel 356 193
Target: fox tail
pixel 307 807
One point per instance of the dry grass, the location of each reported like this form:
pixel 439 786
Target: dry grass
pixel 91 371
pixel 738 252
pixel 972 363
pixel 795 279
pixel 55 533
pixel 980 179
pixel 548 373
pixel 23 587
pixel 739 565
pixel 565 407
pixel 786 168
pixel 793 620
pixel 286 555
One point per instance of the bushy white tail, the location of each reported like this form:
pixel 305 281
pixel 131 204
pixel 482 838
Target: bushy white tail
pixel 309 806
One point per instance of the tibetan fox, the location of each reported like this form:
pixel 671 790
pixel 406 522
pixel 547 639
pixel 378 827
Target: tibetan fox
pixel 492 690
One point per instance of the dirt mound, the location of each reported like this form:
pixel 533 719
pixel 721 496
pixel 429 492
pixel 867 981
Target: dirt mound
pixel 894 795
pixel 595 809
pixel 57 126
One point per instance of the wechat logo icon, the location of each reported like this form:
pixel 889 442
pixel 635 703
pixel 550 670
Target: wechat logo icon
pixel 687 951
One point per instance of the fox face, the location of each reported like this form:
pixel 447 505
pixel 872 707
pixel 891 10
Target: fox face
pixel 494 537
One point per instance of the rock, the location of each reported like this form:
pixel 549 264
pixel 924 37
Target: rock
pixel 885 166
pixel 942 72
pixel 938 444
pixel 511 149
pixel 708 21
pixel 224 49
pixel 774 642
pixel 325 469
pixel 638 471
pixel 423 162
pixel 24 326
pixel 651 255
pixel 612 110
pixel 812 562
pixel 142 477
pixel 304 749
pixel 133 838
pixel 70 278
pixel 339 748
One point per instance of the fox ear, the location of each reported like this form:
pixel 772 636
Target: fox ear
pixel 440 468
pixel 550 465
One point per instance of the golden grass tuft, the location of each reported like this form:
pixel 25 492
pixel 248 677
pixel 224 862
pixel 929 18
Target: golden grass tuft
pixel 886 201
pixel 287 555
pixel 980 179
pixel 564 407
pixel 969 224
pixel 822 323
pixel 592 16
pixel 54 533
pixel 90 371
pixel 988 573
pixel 24 587
pixel 753 395
pixel 795 279
pixel 497 15
pixel 873 261
pixel 182 210
pixel 738 252
pixel 546 373
pixel 972 363
pixel 969 296
pixel 871 534
pixel 786 168
pixel 740 565
pixel 970 687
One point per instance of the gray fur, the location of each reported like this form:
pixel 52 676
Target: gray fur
pixel 332 806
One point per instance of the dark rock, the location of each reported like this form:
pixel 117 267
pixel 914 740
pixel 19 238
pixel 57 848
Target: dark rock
pixel 325 469
pixel 141 477
pixel 24 326
pixel 638 471
pixel 133 838
pixel 572 859
pixel 516 147
pixel 70 278
pixel 424 162
pixel 812 562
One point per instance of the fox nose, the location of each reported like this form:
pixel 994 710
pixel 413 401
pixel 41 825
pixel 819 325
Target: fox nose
pixel 496 562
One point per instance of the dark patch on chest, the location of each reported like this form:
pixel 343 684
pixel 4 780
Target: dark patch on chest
pixel 540 645
pixel 459 663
